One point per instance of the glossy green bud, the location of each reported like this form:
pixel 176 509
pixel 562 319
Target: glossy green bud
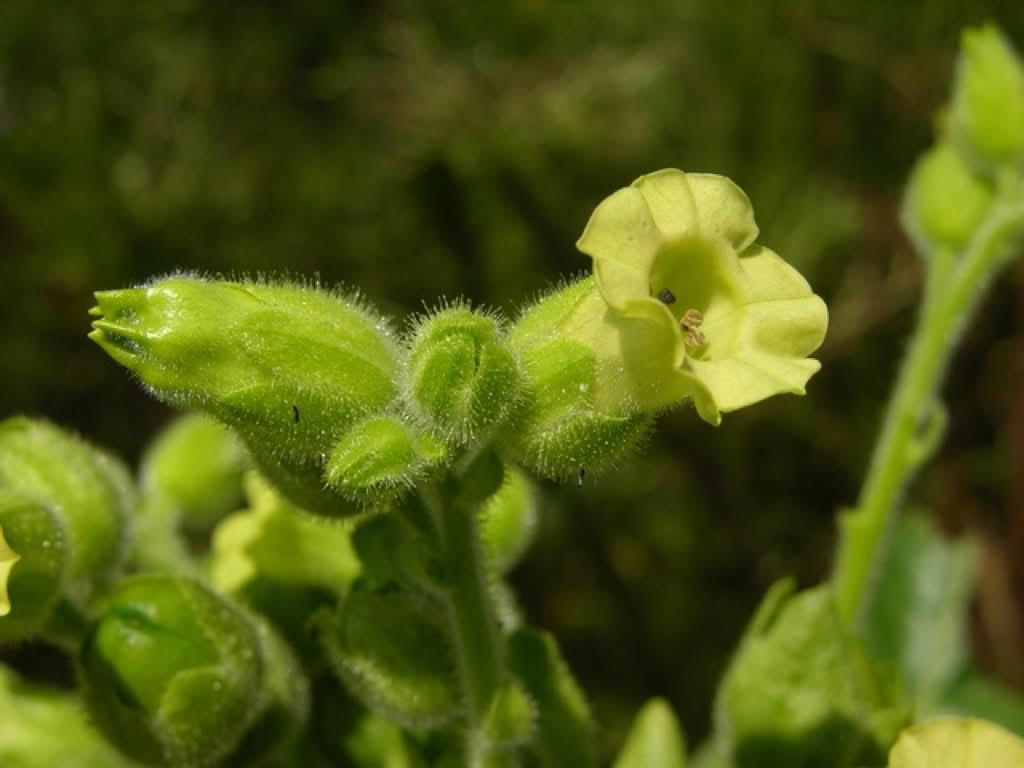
pixel 197 465
pixel 950 742
pixel 43 727
pixel 509 520
pixel 176 675
pixel 655 740
pixel 391 651
pixel 291 368
pixel 987 112
pixel 64 506
pixel 945 202
pixel 462 379
pixel 380 458
pixel 800 690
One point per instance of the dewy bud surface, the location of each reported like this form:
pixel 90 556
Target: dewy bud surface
pixel 289 367
pixel 64 505
pixel 174 674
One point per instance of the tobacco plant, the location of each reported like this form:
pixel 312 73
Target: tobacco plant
pixel 356 611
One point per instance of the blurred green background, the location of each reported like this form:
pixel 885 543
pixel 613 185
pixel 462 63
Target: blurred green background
pixel 426 150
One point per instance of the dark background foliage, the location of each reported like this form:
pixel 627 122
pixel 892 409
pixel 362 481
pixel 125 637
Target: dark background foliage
pixel 440 149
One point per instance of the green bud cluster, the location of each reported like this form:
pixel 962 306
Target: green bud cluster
pixel 176 675
pixel 64 509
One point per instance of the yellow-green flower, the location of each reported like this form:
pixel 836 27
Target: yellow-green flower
pixel 8 557
pixel 690 306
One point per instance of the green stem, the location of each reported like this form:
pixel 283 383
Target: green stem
pixel 473 618
pixel 950 294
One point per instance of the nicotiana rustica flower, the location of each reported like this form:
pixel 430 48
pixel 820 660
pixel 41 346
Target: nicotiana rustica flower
pixel 690 306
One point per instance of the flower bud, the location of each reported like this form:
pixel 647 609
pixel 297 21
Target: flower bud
pixel 196 464
pixel 945 202
pixel 63 510
pixel 462 380
pixel 797 649
pixel 392 653
pixel 987 112
pixel 176 675
pixel 510 718
pixel 380 458
pixel 289 367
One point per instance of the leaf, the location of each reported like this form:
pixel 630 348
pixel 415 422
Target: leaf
pixel 655 740
pixel 564 735
pixel 977 696
pixel 917 621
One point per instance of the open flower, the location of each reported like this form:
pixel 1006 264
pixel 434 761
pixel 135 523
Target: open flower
pixel 693 308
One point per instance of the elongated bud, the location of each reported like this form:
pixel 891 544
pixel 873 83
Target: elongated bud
pixel 289 367
pixel 945 202
pixel 987 113
pixel 391 652
pixel 462 380
pixel 380 458
pixel 176 675
pixel 64 507
pixel 196 464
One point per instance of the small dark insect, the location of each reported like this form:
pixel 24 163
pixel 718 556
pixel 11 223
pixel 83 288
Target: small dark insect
pixel 580 475
pixel 295 412
pixel 665 296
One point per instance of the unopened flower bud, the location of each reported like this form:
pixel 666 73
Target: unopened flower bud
pixel 174 674
pixel 289 367
pixel 462 379
pixel 196 464
pixel 987 113
pixel 379 458
pixel 509 520
pixel 64 506
pixel 945 201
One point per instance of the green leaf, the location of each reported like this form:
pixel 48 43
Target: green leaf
pixel 392 653
pixel 957 743
pixel 799 691
pixel 655 740
pixel 917 623
pixel 564 737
